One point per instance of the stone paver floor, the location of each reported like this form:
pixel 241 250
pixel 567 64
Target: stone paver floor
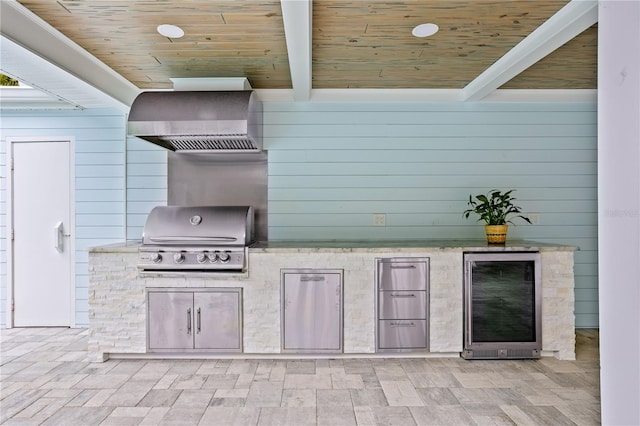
pixel 46 379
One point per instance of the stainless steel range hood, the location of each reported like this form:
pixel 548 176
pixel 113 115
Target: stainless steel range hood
pixel 199 121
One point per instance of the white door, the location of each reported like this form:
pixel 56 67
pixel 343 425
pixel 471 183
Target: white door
pixel 41 217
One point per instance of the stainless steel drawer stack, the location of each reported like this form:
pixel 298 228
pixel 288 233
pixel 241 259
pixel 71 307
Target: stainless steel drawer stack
pixel 402 304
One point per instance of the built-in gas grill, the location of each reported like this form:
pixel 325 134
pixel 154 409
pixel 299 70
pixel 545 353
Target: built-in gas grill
pixel 196 239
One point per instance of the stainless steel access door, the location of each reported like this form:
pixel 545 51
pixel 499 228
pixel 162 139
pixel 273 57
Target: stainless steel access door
pixel 170 320
pixel 217 320
pixel 311 311
pixel 195 320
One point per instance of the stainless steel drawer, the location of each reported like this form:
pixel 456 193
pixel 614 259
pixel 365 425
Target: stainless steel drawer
pixel 399 274
pixel 402 305
pixel 402 334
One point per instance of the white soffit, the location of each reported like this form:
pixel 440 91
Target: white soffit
pixel 39 55
pixel 21 97
pixel 40 74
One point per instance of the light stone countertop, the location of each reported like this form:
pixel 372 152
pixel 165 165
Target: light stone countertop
pixel 343 246
pixel 130 246
pixel 385 245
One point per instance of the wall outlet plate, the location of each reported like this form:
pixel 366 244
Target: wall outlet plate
pixel 379 219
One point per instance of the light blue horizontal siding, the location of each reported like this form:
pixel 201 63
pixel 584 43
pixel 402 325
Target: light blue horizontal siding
pixel 146 183
pixel 412 116
pixel 100 207
pixel 358 171
pixel 409 143
pixel 91 170
pixel 100 182
pixel 93 183
pixel 332 166
pixel 92 120
pixel 560 206
pixel 405 130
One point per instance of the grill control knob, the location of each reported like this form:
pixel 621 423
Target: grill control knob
pixel 178 257
pixel 202 257
pixel 213 257
pixel 224 256
pixel 156 257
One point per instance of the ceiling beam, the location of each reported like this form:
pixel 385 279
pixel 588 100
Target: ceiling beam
pixel 567 23
pixel 297 17
pixel 27 30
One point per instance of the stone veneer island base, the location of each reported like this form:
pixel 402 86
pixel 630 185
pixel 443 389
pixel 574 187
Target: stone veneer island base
pixel 118 294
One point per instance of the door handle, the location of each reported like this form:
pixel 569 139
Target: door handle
pixel 189 321
pixel 58 237
pixel 198 320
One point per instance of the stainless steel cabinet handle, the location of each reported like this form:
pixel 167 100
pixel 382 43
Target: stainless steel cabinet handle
pixel 312 278
pixel 403 324
pixel 403 266
pixel 189 321
pixel 467 288
pixel 198 320
pixel 402 295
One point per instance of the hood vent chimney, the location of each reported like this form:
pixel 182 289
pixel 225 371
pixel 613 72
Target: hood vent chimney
pixel 199 121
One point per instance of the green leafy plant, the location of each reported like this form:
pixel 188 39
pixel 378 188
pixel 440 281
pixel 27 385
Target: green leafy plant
pixel 494 208
pixel 7 81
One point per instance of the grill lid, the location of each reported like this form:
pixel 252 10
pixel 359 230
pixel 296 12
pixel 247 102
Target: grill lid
pixel 192 121
pixel 199 225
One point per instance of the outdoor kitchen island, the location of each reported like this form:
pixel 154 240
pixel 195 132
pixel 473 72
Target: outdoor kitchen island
pixel 118 294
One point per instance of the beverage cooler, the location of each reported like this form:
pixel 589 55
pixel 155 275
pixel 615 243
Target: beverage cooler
pixel 502 305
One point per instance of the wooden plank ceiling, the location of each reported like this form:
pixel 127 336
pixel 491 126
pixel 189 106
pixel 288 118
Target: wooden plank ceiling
pixel 356 44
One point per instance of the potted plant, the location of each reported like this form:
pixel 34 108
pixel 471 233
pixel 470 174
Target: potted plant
pixel 496 209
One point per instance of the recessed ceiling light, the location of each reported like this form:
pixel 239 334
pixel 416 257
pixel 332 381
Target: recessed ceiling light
pixel 170 31
pixel 425 30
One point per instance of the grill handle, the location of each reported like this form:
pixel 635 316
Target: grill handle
pixel 174 239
